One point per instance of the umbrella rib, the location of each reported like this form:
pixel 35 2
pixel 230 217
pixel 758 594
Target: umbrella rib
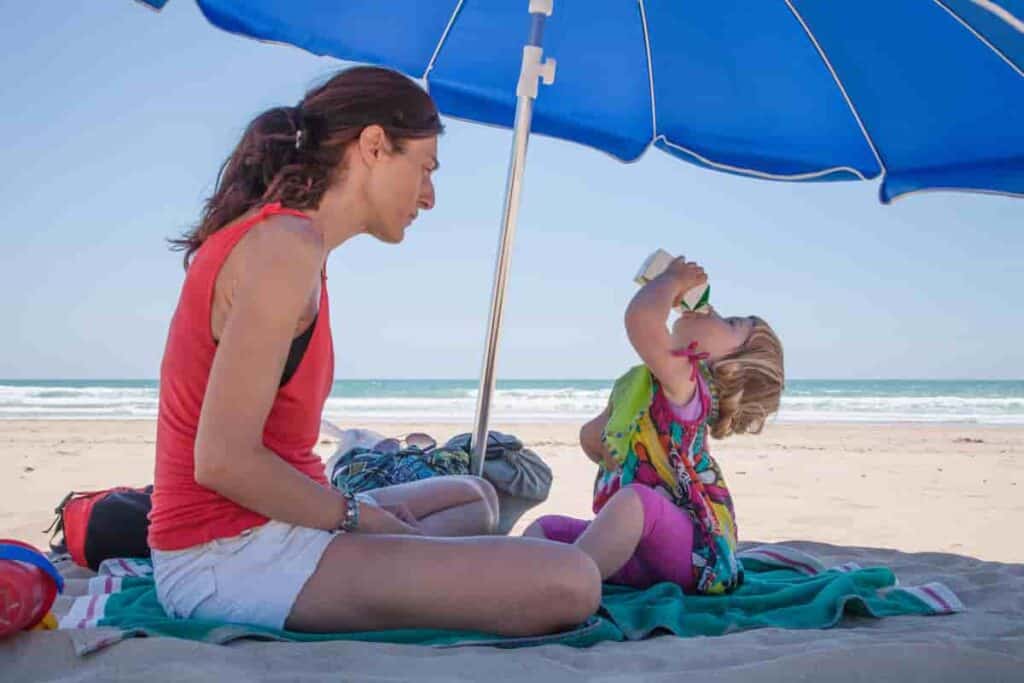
pixel 703 159
pixel 650 73
pixel 1000 12
pixel 441 42
pixel 980 37
pixel 842 88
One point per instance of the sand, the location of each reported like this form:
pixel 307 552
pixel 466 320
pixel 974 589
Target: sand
pixel 935 502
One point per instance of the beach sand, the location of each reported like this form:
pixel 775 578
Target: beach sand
pixel 935 502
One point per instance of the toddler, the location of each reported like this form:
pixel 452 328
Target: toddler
pixel 663 510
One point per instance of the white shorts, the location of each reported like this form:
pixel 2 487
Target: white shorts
pixel 252 578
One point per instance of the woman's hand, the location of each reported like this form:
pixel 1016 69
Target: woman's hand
pixel 390 519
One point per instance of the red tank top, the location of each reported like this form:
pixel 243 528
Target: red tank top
pixel 184 513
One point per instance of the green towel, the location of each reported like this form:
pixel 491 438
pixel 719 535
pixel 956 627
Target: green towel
pixel 783 588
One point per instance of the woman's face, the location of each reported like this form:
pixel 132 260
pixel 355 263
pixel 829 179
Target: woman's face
pixel 399 186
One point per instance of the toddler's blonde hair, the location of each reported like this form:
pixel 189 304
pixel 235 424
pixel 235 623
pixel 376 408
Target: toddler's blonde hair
pixel 749 383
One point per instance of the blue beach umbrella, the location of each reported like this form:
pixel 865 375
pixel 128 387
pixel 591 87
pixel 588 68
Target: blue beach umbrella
pixel 923 94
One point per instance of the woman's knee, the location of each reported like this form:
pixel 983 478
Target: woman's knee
pixel 487 490
pixel 568 587
pixel 471 486
pixel 579 591
pixel 460 505
pixel 486 493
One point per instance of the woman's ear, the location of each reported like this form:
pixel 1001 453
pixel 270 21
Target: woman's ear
pixel 372 144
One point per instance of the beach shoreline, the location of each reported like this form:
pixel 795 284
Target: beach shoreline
pixel 871 402
pixel 914 487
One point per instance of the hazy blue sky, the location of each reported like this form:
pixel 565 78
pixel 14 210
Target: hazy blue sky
pixel 115 119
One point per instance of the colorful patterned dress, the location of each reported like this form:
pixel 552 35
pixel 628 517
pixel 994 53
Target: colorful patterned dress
pixel 655 448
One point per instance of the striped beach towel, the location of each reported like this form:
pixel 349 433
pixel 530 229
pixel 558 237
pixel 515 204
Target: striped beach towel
pixel 783 587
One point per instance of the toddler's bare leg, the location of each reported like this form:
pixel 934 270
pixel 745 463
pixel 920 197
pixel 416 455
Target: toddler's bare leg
pixel 612 538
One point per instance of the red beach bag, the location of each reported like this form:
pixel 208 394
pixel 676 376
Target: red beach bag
pixel 98 525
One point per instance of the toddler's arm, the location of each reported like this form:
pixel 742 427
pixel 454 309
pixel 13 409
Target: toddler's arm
pixel 645 326
pixel 590 440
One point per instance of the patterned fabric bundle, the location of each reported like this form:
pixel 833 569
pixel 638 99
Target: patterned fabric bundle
pixel 364 469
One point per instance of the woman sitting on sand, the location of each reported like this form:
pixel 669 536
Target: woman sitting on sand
pixel 663 510
pixel 244 527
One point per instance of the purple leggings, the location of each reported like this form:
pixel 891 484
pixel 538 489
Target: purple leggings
pixel 664 552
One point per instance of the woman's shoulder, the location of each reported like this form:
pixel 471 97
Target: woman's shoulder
pixel 283 242
pixel 286 231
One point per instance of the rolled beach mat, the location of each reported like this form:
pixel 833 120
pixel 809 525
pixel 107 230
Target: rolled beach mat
pixel 29 584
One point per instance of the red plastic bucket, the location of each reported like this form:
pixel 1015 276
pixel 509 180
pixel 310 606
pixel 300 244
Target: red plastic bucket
pixel 28 586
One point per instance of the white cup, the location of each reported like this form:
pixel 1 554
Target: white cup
pixel 695 299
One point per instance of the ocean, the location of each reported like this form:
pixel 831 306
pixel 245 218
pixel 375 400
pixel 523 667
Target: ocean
pixel 366 401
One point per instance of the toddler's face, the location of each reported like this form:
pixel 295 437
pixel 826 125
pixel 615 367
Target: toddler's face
pixel 714 334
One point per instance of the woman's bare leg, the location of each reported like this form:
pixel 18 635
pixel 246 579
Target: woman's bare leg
pixel 506 586
pixel 446 506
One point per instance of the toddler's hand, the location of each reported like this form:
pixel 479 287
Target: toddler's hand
pixel 609 463
pixel 687 274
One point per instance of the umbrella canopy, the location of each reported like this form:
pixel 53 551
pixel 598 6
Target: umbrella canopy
pixel 926 94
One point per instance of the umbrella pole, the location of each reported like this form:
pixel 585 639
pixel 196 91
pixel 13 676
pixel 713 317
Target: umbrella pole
pixel 526 92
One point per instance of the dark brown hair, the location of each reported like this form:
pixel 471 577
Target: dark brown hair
pixel 292 154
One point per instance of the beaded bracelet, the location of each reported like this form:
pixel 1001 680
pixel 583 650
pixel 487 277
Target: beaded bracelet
pixel 351 521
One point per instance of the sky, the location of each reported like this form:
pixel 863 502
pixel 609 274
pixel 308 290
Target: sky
pixel 116 118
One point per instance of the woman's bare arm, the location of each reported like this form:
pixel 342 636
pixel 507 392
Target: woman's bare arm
pixel 282 262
